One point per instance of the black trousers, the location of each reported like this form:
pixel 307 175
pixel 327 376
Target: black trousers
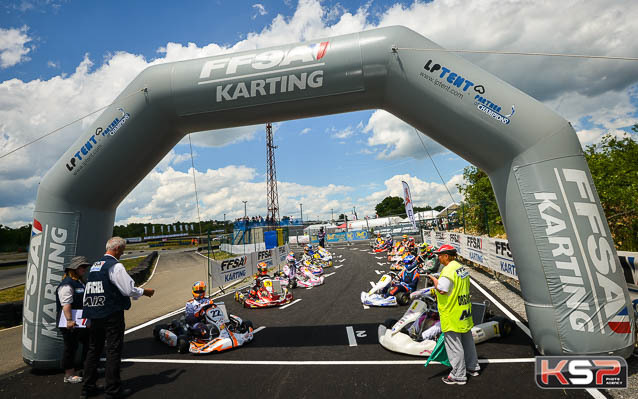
pixel 72 338
pixel 111 330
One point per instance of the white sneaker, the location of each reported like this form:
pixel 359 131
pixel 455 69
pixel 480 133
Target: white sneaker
pixel 74 379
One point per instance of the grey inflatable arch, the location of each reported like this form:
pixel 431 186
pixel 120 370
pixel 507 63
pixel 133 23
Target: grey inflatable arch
pixel 575 294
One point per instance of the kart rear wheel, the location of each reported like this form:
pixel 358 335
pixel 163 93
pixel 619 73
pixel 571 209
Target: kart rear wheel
pixel 292 284
pixel 157 328
pixel 182 344
pixel 389 323
pixel 403 298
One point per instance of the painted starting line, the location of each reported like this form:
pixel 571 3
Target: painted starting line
pixel 317 362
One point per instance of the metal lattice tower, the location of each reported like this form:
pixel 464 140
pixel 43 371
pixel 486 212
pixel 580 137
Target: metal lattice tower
pixel 271 179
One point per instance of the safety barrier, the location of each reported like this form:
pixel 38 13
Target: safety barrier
pixel 221 273
pixel 495 253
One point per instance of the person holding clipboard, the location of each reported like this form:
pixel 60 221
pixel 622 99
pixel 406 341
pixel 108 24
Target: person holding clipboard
pixel 69 297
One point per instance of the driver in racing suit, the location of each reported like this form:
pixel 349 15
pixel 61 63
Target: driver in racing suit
pixel 408 279
pixel 262 274
pixel 196 307
pixel 389 243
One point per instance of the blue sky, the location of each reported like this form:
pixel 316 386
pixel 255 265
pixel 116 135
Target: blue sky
pixel 60 60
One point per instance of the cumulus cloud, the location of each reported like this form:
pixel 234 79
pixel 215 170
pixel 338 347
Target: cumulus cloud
pixel 166 195
pixel 423 192
pixel 13 49
pixel 397 139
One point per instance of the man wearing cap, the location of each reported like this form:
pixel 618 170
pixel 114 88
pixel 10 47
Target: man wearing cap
pixel 69 296
pixel 452 290
pixel 108 294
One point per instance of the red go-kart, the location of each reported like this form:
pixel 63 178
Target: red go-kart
pixel 270 293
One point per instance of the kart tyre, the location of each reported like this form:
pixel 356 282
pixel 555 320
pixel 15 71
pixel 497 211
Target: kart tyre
pixel 245 326
pixel 505 326
pixel 292 284
pixel 157 328
pixel 389 323
pixel 403 298
pixel 182 344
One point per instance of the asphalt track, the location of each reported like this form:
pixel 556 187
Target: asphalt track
pixel 303 351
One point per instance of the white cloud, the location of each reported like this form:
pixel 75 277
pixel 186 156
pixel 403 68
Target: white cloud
pixel 52 64
pixel 12 46
pixel 259 10
pixel 167 195
pixel 341 133
pixel 305 131
pixel 396 138
pixel 423 192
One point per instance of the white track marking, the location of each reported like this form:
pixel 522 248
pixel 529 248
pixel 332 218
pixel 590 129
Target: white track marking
pixel 380 264
pixel 255 331
pixel 315 362
pixel 154 269
pixel 329 274
pixel 290 304
pixel 352 340
pixel 503 309
pixel 378 257
pixel 595 393
pixel 371 283
pixel 378 272
pixel 336 267
pixel 366 307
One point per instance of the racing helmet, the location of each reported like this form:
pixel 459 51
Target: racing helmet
pixel 262 268
pixel 405 237
pixel 199 289
pixel 388 236
pixel 409 262
pixel 446 249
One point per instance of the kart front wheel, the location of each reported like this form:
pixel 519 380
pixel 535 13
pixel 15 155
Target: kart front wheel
pixel 182 344
pixel 245 326
pixel 403 298
pixel 389 323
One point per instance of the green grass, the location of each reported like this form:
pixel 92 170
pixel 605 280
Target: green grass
pixel 12 294
pixel 131 263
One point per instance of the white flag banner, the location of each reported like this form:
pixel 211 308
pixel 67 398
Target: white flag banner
pixel 408 203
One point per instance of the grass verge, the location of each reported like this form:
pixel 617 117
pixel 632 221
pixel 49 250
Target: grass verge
pixel 12 294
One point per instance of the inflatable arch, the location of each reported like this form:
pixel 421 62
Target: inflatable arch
pixel 575 294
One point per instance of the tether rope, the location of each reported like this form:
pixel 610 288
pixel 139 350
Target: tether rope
pixel 69 124
pixel 604 57
pixel 199 219
pixel 437 169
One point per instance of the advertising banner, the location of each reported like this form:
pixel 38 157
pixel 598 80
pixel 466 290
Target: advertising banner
pixel 239 267
pixel 408 203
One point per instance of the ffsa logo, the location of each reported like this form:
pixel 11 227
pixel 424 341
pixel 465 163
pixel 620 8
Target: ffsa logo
pixel 233 263
pixel 269 60
pixel 578 372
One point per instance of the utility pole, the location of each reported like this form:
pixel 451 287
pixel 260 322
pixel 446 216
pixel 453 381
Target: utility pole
pixel 245 225
pixel 301 210
pixel 332 217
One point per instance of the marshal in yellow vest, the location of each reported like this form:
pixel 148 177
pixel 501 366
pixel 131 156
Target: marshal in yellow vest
pixel 455 308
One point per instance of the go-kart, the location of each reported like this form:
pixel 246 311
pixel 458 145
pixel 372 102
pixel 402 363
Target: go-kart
pixel 312 264
pixel 397 253
pixel 303 277
pixel 324 256
pixel 376 296
pixel 218 332
pixel 417 331
pixel 270 293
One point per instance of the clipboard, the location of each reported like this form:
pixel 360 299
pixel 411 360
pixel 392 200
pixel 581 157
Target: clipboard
pixel 76 315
